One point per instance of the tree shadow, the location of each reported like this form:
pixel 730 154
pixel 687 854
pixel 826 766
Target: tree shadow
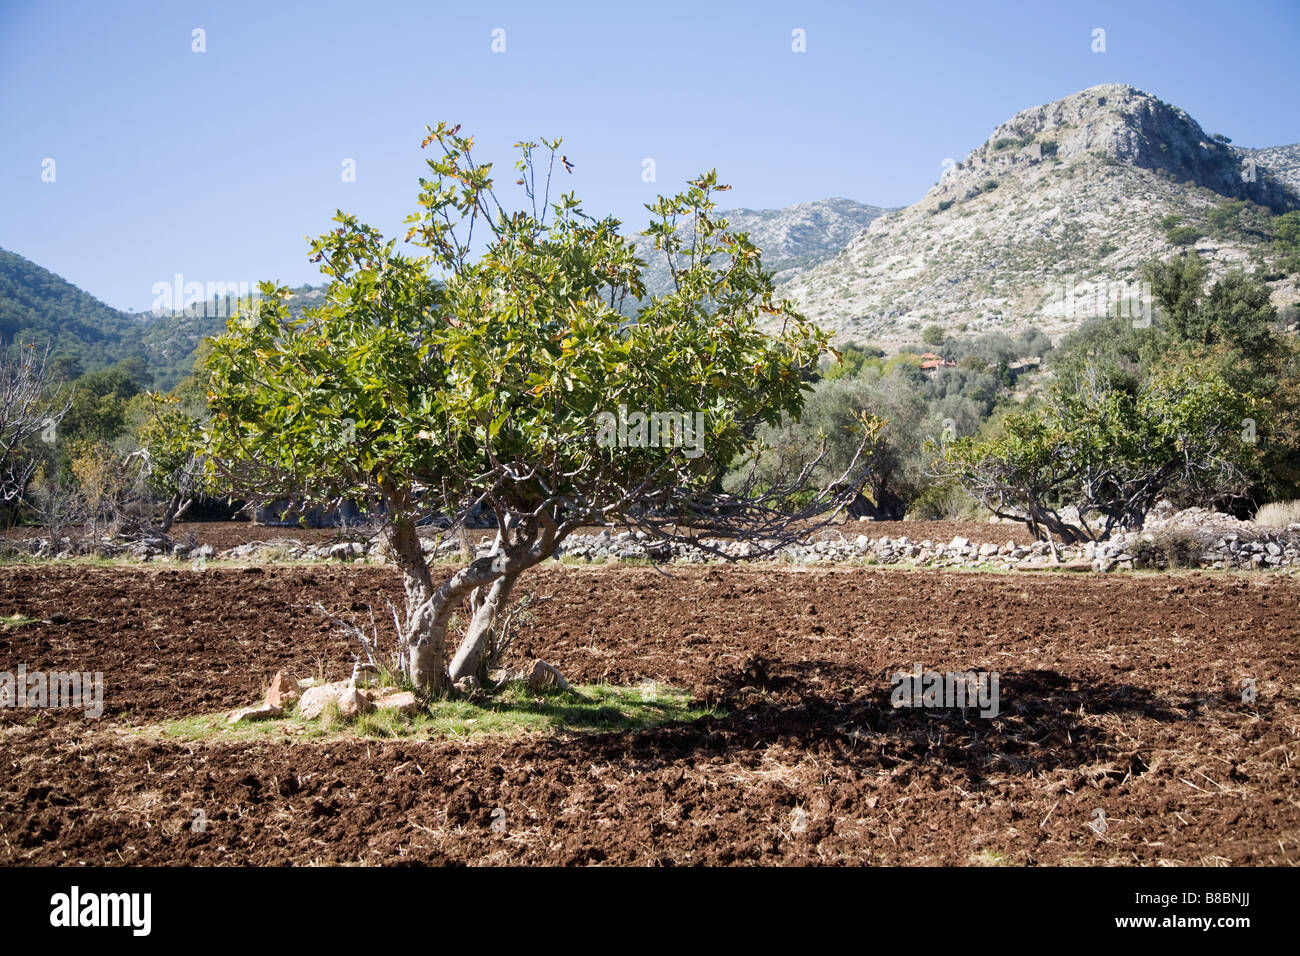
pixel 1045 721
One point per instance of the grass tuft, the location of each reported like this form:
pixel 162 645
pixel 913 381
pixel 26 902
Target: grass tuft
pixel 515 709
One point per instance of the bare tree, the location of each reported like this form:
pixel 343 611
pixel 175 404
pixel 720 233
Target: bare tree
pixel 26 415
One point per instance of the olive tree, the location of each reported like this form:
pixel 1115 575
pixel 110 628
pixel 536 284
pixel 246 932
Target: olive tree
pixel 174 463
pixel 1095 458
pixel 496 369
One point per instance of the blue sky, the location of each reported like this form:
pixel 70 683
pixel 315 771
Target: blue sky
pixel 216 164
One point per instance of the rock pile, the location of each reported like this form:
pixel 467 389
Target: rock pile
pixel 350 697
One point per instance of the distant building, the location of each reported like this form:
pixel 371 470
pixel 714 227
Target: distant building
pixel 931 362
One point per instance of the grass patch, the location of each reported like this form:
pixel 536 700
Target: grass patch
pixel 18 620
pixel 515 709
pixel 991 857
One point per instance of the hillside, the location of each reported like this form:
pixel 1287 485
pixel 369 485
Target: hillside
pixel 792 239
pixel 1082 190
pixel 42 308
pixel 1282 161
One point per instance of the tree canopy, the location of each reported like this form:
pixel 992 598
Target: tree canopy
pixel 451 379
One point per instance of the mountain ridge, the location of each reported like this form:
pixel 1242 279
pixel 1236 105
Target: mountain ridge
pixel 1079 191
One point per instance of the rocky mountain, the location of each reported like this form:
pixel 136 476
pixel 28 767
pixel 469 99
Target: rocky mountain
pixel 1282 161
pixel 792 239
pixel 1051 219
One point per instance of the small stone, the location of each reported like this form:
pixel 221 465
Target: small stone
pixel 542 675
pixel 353 702
pixel 364 674
pixel 315 698
pixel 283 690
pixel 260 712
pixel 405 703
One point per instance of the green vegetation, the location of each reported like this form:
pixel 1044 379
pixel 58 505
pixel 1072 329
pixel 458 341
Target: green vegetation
pixel 498 383
pixel 515 709
pixel 1096 456
pixel 1286 241
pixel 903 409
pixel 1202 408
pixel 1009 142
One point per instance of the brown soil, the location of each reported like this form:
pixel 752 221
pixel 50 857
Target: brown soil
pixel 1118 693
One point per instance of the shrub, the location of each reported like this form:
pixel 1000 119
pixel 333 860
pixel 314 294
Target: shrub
pixel 1278 514
pixel 1176 548
pixel 1183 235
pixel 942 501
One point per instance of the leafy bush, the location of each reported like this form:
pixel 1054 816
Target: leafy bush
pixel 943 501
pixel 1106 454
pixel 1225 219
pixel 1007 142
pixel 1183 235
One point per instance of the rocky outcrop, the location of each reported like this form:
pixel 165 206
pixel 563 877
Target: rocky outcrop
pixel 792 239
pixel 1079 192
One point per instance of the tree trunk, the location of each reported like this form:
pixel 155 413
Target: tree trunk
pixel 175 509
pixel 514 558
pixel 469 656
pixel 425 652
pixel 422 652
pixel 429 609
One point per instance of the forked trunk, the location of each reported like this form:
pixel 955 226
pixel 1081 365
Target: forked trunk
pixel 176 509
pixel 422 653
pixel 429 609
pixel 469 656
